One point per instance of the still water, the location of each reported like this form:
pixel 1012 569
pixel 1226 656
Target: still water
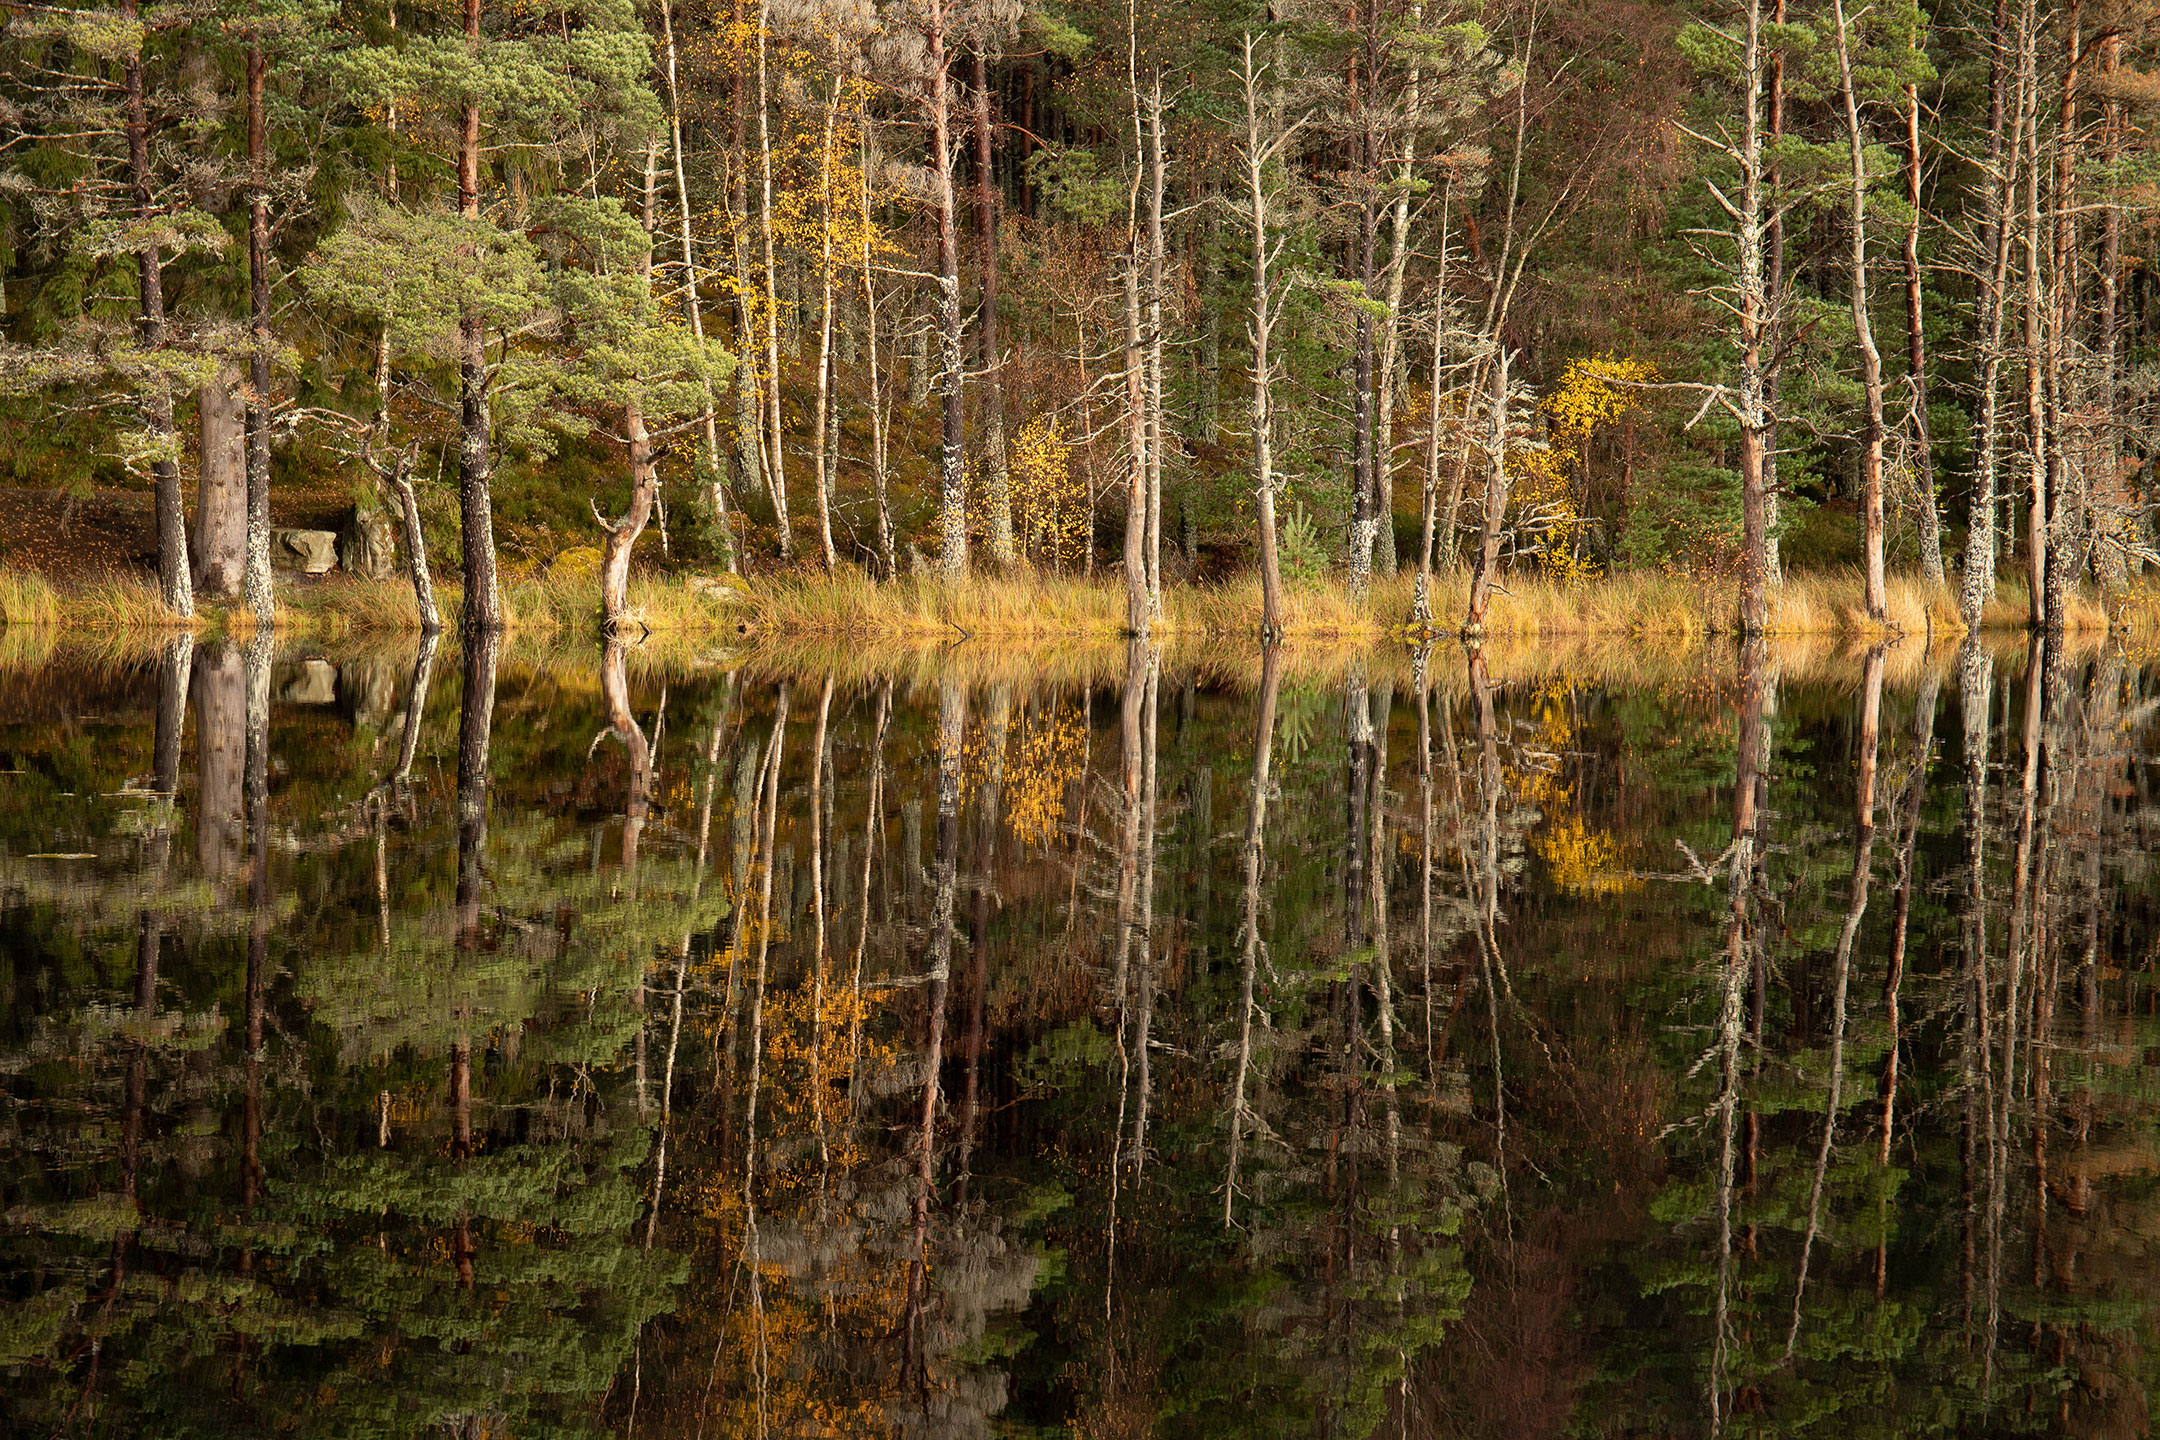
pixel 488 1043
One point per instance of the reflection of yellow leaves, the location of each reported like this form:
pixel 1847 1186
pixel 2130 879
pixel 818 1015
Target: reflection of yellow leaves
pixel 1583 861
pixel 1044 763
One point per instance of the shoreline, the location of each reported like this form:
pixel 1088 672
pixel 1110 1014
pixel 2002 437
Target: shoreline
pixel 1031 608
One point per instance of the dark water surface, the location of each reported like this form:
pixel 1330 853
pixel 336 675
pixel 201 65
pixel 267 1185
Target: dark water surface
pixel 1627 1044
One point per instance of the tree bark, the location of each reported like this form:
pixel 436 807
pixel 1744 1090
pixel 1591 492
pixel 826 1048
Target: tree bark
pixel 952 457
pixel 996 471
pixel 1977 584
pixel 776 444
pixel 175 585
pixel 827 402
pixel 1497 484
pixel 2036 514
pixel 220 541
pixel 476 513
pixel 1871 434
pixel 1258 153
pixel 716 485
pixel 261 600
pixel 1930 516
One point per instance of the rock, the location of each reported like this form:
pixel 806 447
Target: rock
pixel 311 552
pixel 314 684
pixel 367 544
pixel 718 587
pixel 371 685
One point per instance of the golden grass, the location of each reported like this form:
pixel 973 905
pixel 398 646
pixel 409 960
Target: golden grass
pixel 26 598
pixel 1025 607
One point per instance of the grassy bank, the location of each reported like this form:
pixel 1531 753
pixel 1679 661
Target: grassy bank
pixel 337 607
pixel 1029 607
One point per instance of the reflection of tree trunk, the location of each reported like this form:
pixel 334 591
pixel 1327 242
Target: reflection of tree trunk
pixel 1923 741
pixel 873 816
pixel 423 675
pixel 220 685
pixel 752 1256
pixel 987 803
pixel 952 725
pixel 1249 932
pixel 1863 851
pixel 1749 755
pixel 1909 827
pixel 476 724
pixel 622 722
pixel 820 757
pixel 1147 919
pixel 176 659
pixel 259 648
pixel 1381 975
pixel 1975 674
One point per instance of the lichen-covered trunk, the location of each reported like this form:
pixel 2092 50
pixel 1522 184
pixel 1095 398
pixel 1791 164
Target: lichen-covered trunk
pixel 996 470
pixel 476 512
pixel 1871 383
pixel 261 599
pixel 175 584
pixel 1929 515
pixel 1487 561
pixel 622 535
pixel 1977 584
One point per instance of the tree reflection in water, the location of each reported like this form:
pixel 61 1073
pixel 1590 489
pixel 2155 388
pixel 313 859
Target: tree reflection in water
pixel 1437 1042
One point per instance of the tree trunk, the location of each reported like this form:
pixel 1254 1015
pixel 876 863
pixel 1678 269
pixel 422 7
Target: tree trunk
pixel 622 535
pixel 1773 378
pixel 716 486
pixel 1977 584
pixel 1258 153
pixel 1497 485
pixel 996 471
pixel 476 514
pixel 776 443
pixel 1871 435
pixel 175 585
pixel 261 601
pixel 826 401
pixel 1930 516
pixel 1137 610
pixel 1156 430
pixel 886 552
pixel 220 540
pixel 952 456
pixel 2066 498
pixel 2036 522
pixel 1429 509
